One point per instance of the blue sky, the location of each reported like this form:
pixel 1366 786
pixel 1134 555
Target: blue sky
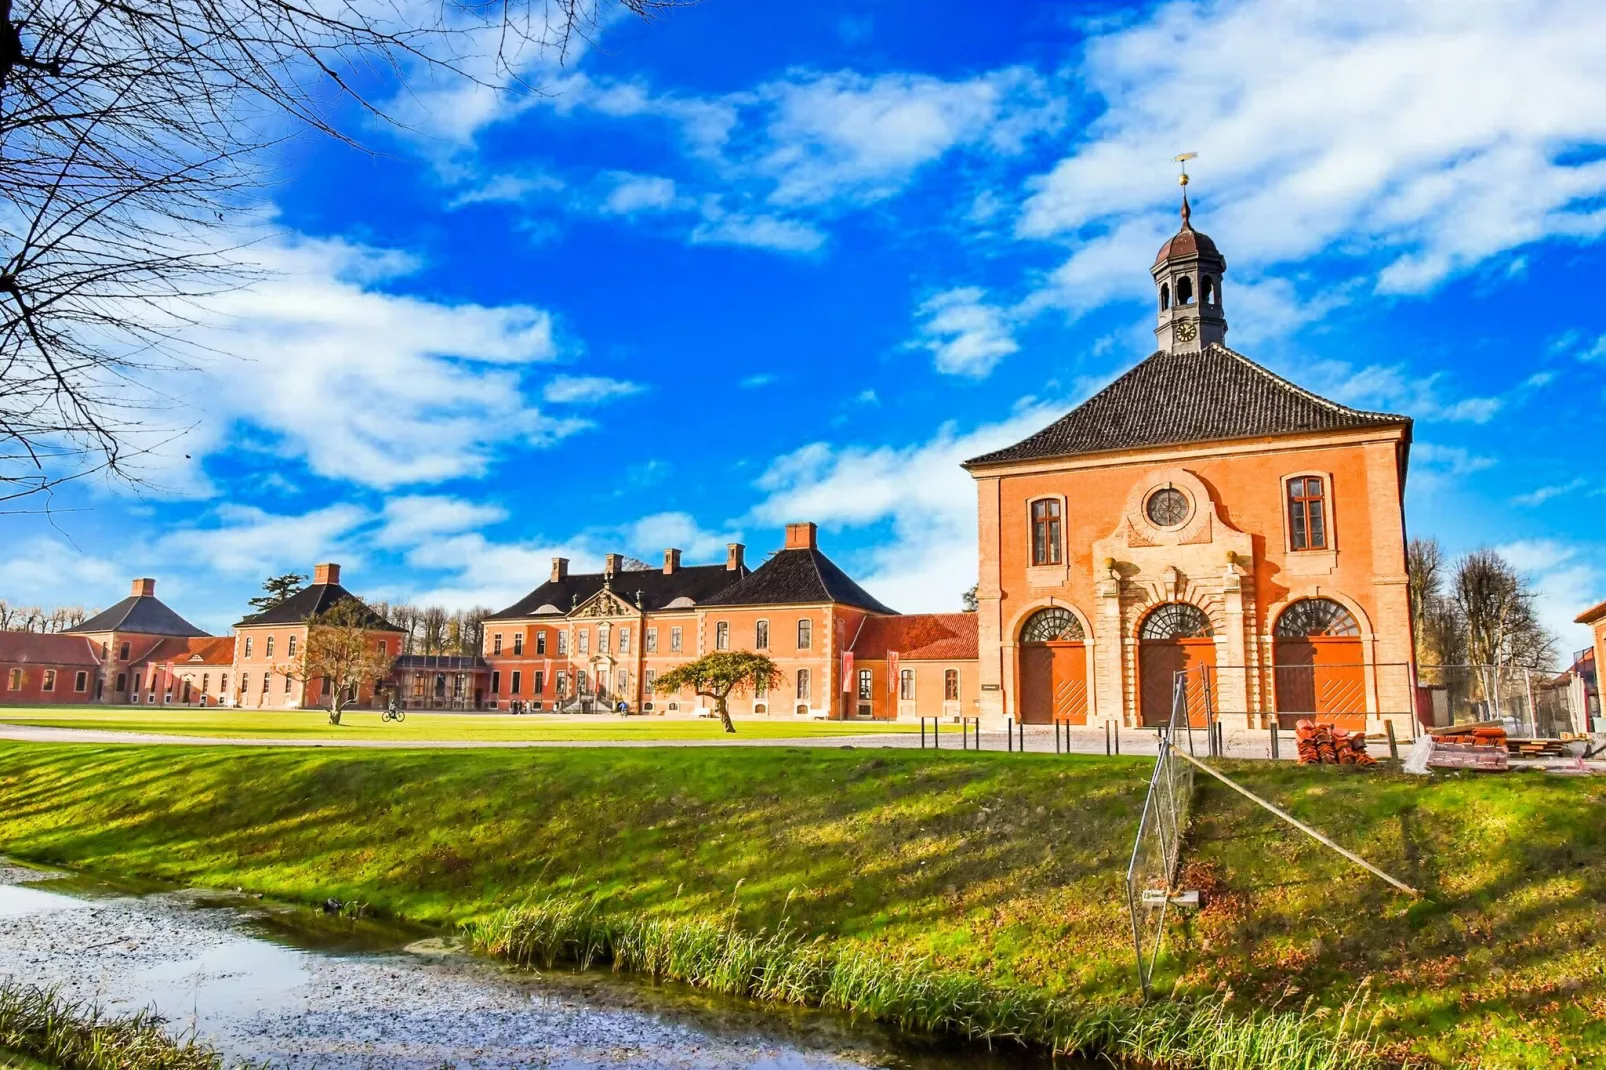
pixel 756 262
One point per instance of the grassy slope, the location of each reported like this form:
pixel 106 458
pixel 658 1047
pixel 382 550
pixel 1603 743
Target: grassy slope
pixel 1005 866
pixel 418 727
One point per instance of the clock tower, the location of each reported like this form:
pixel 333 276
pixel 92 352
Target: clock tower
pixel 1187 276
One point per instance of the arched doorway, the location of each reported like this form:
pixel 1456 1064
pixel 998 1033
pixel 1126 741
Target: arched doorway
pixel 1318 664
pixel 1175 637
pixel 1053 668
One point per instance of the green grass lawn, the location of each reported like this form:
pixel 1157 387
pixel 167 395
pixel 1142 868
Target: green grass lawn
pixel 421 727
pixel 1004 866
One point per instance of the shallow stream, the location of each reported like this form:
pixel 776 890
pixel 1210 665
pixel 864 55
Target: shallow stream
pixel 296 989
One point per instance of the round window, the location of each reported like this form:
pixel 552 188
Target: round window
pixel 1167 507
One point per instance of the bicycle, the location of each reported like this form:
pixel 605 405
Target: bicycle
pixel 393 714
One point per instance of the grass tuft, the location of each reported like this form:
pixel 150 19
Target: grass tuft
pixel 782 966
pixel 38 1025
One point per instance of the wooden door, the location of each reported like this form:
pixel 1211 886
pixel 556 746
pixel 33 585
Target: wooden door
pixel 1070 682
pixel 1321 676
pixel 1036 684
pixel 1159 660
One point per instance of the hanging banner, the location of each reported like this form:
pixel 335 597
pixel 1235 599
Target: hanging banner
pixel 892 672
pixel 847 670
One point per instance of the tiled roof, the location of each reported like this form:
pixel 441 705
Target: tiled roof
pixel 441 662
pixel 142 614
pixel 1186 242
pixel 696 582
pixel 35 648
pixel 319 598
pixel 1174 398
pixel 195 650
pixel 798 576
pixel 1590 616
pixel 919 637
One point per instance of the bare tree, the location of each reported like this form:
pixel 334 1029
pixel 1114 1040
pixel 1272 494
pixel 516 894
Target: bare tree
pixel 340 654
pixel 1496 604
pixel 131 141
pixel 1435 619
pixel 432 630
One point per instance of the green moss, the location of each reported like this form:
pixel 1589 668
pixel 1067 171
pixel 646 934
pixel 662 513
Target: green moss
pixel 1004 867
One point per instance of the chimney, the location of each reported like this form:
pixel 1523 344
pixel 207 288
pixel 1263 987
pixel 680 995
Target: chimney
pixel 800 537
pixel 326 573
pixel 610 565
pixel 560 569
pixel 733 556
pixel 671 561
pixel 144 588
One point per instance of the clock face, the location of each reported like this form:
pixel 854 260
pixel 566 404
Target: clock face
pixel 1187 331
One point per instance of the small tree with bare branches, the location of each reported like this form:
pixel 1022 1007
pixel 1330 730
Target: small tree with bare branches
pixel 341 653
pixel 718 674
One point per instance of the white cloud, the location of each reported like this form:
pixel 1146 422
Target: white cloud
pixel 965 334
pixel 843 134
pixel 762 231
pixel 1436 132
pixel 313 360
pixel 588 389
pixel 651 535
pixel 929 500
pixel 1541 495
pixel 1455 460
pixel 250 541
pixel 753 382
pixel 1564 586
pixel 415 518
pixel 1394 388
pixel 640 193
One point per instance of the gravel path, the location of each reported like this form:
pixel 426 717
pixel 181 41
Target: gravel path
pixel 199 962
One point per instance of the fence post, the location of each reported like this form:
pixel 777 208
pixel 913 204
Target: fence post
pixel 1106 739
pixel 1394 747
pixel 1009 734
pixel 922 733
pixel 936 732
pixel 1118 737
pixel 1023 737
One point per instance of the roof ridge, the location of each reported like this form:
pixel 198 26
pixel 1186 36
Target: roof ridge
pixel 1308 395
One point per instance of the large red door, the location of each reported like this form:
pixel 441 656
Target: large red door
pixel 1053 683
pixel 1321 676
pixel 1159 660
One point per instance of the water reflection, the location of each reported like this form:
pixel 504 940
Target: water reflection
pixel 269 982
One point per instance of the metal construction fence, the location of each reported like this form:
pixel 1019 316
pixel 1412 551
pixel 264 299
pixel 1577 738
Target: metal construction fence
pixel 1526 702
pixel 1157 851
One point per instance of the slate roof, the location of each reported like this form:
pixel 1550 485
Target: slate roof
pixel 1174 398
pixel 658 589
pixel 141 613
pixel 319 598
pixel 798 576
pixel 194 650
pixel 919 637
pixel 36 648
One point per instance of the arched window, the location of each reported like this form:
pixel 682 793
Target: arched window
pixel 802 684
pixel 1207 289
pixel 950 685
pixel 1184 291
pixel 761 635
pixel 906 685
pixel 1053 623
pixel 1176 620
pixel 722 636
pixel 1165 296
pixel 1307 513
pixel 268 650
pixel 1046 529
pixel 290 647
pixel 805 636
pixel 1316 616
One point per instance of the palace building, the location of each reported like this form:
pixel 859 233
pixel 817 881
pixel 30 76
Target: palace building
pixel 1200 528
pixel 1198 515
